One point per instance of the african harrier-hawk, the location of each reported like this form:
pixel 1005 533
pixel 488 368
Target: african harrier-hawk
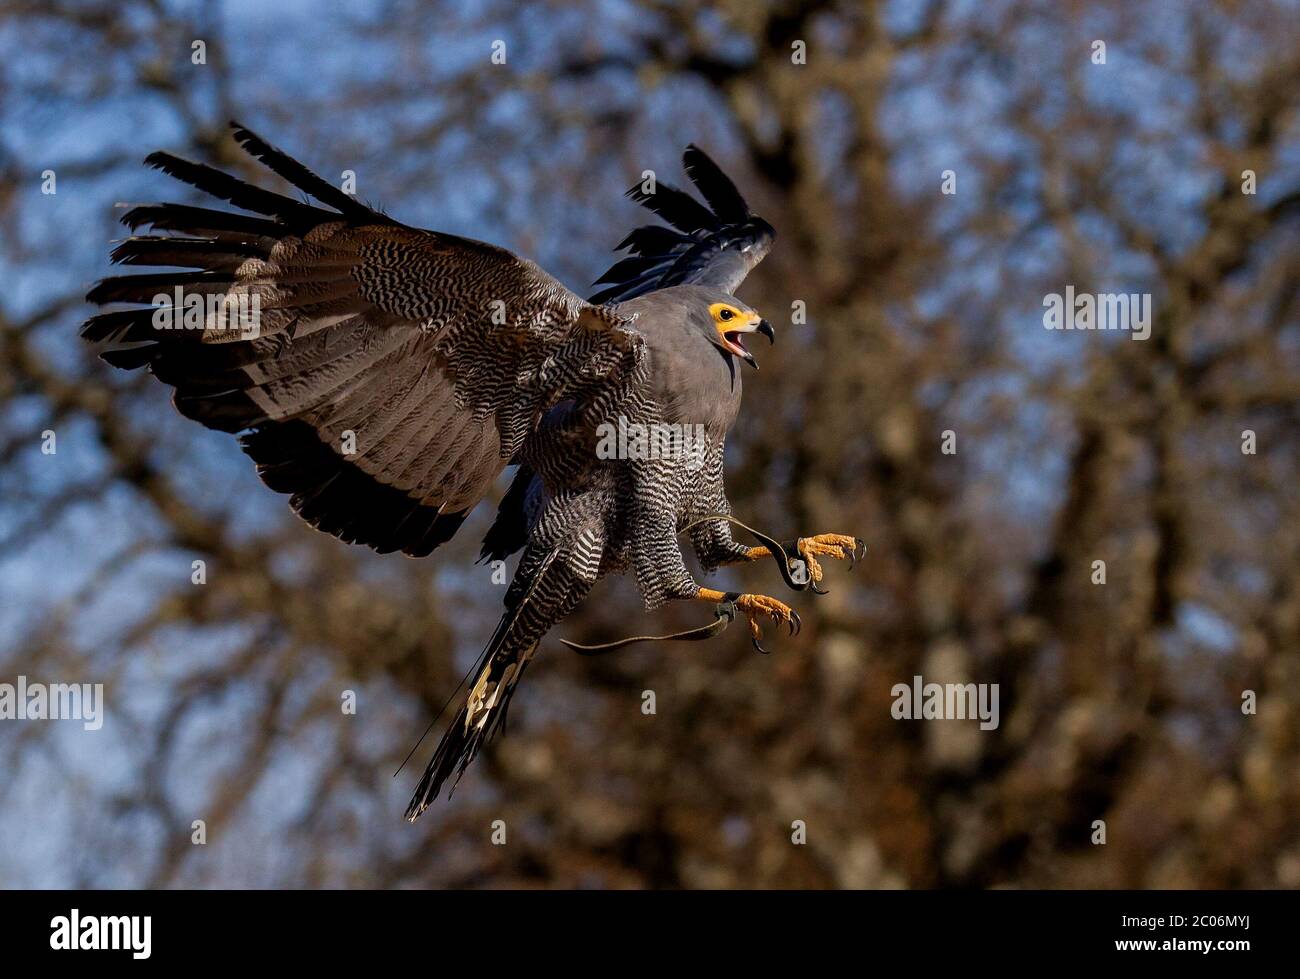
pixel 385 376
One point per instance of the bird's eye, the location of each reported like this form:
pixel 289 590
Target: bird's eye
pixel 725 314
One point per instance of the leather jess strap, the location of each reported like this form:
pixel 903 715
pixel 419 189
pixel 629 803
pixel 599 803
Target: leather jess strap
pixel 794 571
pixel 725 612
pixel 793 568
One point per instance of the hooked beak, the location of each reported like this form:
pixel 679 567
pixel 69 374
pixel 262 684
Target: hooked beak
pixel 733 339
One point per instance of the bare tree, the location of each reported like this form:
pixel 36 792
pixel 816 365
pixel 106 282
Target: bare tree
pixel 934 177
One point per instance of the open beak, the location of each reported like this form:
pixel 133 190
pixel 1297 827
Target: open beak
pixel 735 342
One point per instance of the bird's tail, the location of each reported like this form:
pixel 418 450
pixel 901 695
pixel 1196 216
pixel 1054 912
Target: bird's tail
pixel 543 592
pixel 482 713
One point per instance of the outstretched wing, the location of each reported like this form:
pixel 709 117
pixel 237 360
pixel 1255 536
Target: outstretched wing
pixel 383 375
pixel 715 245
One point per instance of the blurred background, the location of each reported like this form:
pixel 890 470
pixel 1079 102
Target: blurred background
pixel 1119 702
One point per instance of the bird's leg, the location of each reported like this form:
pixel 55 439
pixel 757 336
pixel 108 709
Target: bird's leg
pixel 796 559
pixel 838 546
pixel 753 607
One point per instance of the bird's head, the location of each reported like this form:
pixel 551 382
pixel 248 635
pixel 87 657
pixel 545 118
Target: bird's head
pixel 729 320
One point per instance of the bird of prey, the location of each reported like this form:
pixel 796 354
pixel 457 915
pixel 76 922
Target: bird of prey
pixel 384 377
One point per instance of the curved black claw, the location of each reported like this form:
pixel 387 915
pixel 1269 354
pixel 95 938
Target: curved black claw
pixel 858 545
pixel 818 590
pixel 795 624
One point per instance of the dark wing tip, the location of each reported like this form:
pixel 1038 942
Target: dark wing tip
pixel 715 244
pixel 717 188
pixel 242 134
pixel 675 206
pixel 298 174
pixel 159 160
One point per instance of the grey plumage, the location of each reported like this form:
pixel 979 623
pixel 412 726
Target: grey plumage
pixel 392 373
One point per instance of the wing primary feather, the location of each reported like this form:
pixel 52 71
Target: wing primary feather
pixel 677 207
pixel 220 184
pixel 303 178
pixel 343 343
pixel 143 288
pixel 630 268
pixel 197 220
pixel 651 238
pixel 715 245
pixel 194 253
pixel 715 185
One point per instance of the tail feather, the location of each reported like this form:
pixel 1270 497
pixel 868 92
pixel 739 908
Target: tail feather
pixel 531 610
pixel 483 712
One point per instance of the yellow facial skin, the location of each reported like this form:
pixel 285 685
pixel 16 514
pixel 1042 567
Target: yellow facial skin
pixel 728 319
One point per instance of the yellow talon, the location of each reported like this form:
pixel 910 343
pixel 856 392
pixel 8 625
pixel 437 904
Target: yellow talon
pixel 758 605
pixel 838 546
